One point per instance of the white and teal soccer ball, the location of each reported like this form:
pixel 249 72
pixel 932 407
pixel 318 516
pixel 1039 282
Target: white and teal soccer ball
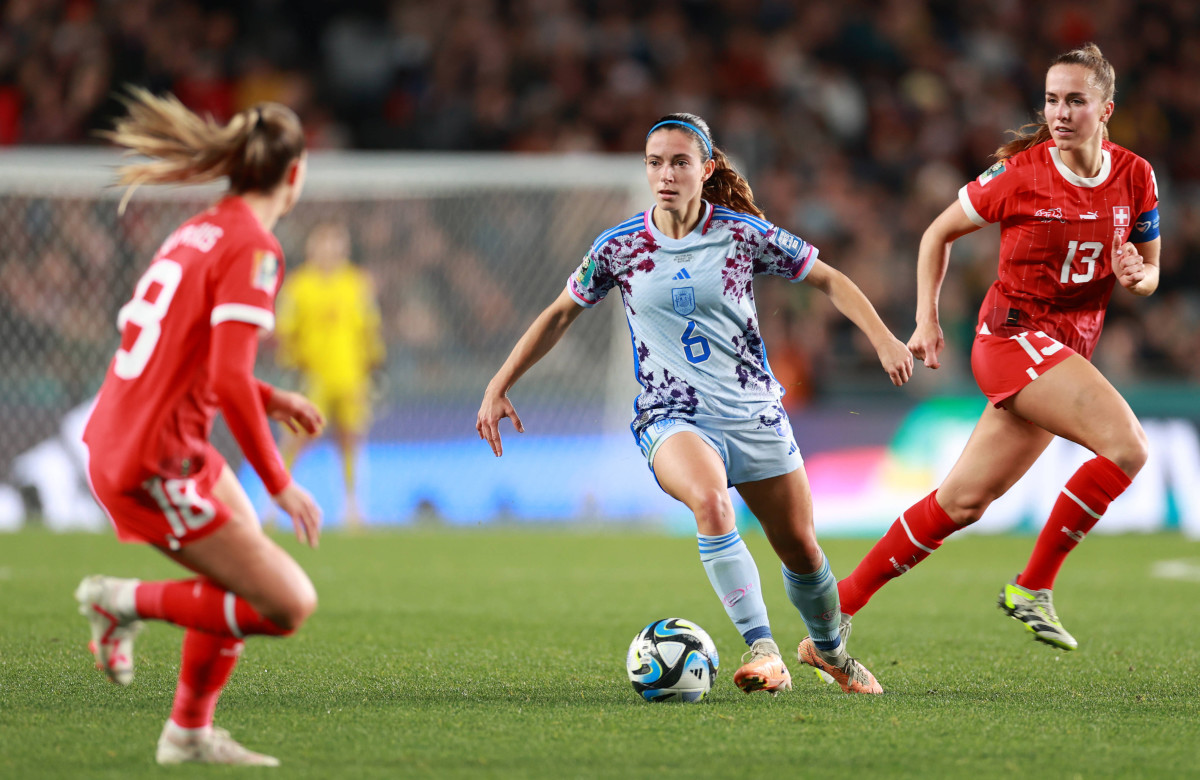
pixel 672 660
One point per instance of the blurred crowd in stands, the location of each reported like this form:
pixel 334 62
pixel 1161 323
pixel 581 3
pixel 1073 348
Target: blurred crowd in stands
pixel 855 121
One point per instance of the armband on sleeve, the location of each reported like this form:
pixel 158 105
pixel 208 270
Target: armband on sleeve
pixel 1146 227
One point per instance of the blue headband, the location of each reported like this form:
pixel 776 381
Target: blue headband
pixel 689 126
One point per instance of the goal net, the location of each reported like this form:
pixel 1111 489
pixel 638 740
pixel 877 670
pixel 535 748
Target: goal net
pixel 465 250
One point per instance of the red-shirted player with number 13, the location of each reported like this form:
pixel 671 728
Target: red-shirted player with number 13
pixel 1077 214
pixel 189 337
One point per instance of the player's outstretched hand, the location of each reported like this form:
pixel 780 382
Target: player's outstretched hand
pixel 897 361
pixel 494 408
pixel 296 412
pixel 927 343
pixel 1127 263
pixel 305 514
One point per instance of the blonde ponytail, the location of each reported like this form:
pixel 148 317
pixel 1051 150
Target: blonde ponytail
pixel 253 150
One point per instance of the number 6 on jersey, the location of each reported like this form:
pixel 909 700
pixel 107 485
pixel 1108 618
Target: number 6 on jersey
pixel 147 315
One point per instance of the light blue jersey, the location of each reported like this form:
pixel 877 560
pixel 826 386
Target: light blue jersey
pixel 697 350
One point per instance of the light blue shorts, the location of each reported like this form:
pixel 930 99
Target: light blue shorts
pixel 748 455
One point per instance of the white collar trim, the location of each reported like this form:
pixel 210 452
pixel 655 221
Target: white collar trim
pixel 1076 179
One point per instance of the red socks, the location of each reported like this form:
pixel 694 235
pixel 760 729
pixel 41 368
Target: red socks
pixel 207 662
pixel 203 605
pixel 1085 498
pixel 910 540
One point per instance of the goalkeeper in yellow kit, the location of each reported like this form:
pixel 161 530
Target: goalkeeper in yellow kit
pixel 328 326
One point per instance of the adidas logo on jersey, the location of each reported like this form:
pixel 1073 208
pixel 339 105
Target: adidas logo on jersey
pixel 683 274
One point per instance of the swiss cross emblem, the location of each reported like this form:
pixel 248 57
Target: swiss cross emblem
pixel 1121 216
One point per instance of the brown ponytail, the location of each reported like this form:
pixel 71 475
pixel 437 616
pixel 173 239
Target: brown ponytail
pixel 1103 78
pixel 253 150
pixel 726 187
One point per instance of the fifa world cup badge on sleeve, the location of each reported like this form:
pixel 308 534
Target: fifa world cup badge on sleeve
pixel 586 270
pixel 266 270
pixel 991 173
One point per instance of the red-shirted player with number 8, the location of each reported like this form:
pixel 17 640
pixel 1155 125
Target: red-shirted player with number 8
pixel 189 337
pixel 1077 214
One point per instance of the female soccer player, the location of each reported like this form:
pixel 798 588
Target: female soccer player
pixel 1077 214
pixel 188 341
pixel 709 414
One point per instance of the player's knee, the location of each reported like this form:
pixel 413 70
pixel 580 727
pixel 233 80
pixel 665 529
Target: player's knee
pixel 290 612
pixel 1132 452
pixel 966 506
pixel 713 510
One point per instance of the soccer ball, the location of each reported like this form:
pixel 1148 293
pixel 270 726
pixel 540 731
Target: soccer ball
pixel 672 660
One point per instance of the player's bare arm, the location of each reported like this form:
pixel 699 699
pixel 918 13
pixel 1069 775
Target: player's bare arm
pixel 895 358
pixel 541 336
pixel 933 258
pixel 1136 265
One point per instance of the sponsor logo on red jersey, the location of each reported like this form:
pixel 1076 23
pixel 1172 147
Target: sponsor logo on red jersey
pixel 1121 216
pixel 1046 215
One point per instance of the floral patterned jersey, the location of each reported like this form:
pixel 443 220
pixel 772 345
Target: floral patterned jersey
pixel 697 350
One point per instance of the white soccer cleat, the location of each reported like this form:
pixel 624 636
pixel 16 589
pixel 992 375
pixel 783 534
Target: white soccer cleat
pixel 205 746
pixel 113 628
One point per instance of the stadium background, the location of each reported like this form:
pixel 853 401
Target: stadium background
pixel 468 143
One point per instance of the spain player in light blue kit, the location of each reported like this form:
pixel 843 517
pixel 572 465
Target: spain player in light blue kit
pixel 709 414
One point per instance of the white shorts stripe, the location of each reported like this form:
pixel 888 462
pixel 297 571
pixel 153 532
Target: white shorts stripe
pixel 1085 507
pixel 231 614
pixel 912 538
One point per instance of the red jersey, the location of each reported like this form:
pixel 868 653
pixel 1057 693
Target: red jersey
pixel 1056 237
pixel 156 408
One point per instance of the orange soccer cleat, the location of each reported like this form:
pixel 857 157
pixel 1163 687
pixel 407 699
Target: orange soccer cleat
pixel 765 671
pixel 849 673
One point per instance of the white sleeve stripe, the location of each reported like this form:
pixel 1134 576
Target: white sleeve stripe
pixel 969 207
pixel 243 312
pixel 584 302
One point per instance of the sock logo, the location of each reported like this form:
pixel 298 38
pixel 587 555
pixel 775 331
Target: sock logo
pixel 1076 535
pixel 901 568
pixel 830 614
pixel 736 595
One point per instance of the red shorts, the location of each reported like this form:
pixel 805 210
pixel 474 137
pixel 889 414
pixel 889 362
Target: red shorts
pixel 1003 365
pixel 163 511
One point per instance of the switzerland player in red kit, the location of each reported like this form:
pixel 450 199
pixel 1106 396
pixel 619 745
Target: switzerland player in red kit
pixel 1077 216
pixel 189 336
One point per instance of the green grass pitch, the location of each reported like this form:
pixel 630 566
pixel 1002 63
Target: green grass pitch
pixel 500 653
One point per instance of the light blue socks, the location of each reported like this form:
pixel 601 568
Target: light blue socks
pixel 734 577
pixel 816 597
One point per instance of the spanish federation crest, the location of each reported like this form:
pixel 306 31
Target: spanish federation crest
pixel 684 300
